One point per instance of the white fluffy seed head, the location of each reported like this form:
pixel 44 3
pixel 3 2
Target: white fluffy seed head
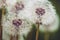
pixel 48 18
pixel 9 28
pixel 50 26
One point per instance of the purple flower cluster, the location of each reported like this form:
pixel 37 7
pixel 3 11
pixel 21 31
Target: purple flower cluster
pixel 19 6
pixel 17 22
pixel 40 11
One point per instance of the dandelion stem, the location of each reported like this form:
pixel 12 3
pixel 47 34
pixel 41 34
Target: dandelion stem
pixel 3 11
pixel 37 32
pixel 14 37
